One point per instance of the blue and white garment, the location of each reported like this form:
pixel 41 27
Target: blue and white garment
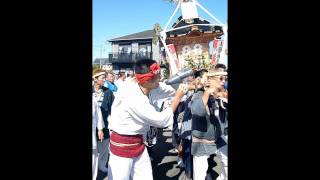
pixel 97 120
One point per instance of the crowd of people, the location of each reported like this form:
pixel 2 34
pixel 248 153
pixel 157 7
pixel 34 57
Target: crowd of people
pixel 128 112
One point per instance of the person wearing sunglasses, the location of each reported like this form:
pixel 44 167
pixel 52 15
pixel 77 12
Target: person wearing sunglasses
pixel 207 123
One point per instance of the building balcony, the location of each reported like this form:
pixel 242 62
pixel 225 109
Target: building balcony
pixel 128 57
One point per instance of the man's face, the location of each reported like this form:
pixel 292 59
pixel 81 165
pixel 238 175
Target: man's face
pixel 100 80
pixel 110 77
pixel 202 81
pixel 189 79
pixel 153 83
pixel 223 80
pixel 198 82
pixel 217 81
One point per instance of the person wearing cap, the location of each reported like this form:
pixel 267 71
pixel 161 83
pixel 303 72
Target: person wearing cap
pixel 131 117
pixel 104 98
pixel 207 123
pixel 97 123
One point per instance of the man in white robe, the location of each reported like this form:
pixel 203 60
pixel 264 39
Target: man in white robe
pixel 97 122
pixel 131 117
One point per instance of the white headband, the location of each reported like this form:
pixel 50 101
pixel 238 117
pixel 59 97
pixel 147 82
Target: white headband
pixel 217 74
pixel 99 74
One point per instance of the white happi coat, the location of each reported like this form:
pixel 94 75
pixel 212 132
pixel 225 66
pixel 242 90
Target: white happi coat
pixel 133 114
pixel 164 93
pixel 97 120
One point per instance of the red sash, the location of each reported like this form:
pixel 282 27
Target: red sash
pixel 128 146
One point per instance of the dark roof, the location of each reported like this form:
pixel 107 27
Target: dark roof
pixel 193 33
pixel 181 22
pixel 148 34
pixel 103 61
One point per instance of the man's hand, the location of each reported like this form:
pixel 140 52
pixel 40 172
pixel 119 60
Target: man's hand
pixel 183 88
pixel 193 84
pixel 212 86
pixel 223 94
pixel 100 135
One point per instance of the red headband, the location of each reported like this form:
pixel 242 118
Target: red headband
pixel 154 69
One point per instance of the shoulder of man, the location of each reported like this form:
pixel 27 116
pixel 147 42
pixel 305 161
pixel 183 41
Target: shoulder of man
pixel 105 89
pixel 197 95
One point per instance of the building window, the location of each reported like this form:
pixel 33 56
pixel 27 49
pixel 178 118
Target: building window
pixel 144 49
pixel 124 48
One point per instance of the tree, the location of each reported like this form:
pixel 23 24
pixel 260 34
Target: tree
pixel 95 66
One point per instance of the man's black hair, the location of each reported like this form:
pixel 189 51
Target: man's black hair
pixel 121 74
pixel 220 66
pixel 143 66
pixel 200 73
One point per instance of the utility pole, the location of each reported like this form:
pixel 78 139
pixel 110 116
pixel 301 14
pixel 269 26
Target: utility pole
pixel 100 56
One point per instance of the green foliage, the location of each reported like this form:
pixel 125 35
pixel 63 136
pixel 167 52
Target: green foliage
pixel 166 72
pixel 156 29
pixel 95 66
pixel 198 62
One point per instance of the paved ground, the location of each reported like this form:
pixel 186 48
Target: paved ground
pixel 165 165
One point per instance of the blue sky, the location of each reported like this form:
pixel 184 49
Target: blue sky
pixel 115 18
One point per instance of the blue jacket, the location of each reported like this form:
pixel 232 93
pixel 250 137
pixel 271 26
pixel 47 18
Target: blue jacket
pixel 111 86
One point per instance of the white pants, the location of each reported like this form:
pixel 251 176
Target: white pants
pixel 222 153
pixel 94 163
pixel 138 168
pixel 200 166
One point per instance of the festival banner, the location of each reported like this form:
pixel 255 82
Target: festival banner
pixel 216 50
pixel 175 64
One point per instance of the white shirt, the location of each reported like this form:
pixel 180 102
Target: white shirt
pixel 164 93
pixel 120 83
pixel 129 78
pixel 97 120
pixel 133 114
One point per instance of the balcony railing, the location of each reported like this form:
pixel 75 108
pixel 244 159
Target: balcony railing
pixel 128 57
